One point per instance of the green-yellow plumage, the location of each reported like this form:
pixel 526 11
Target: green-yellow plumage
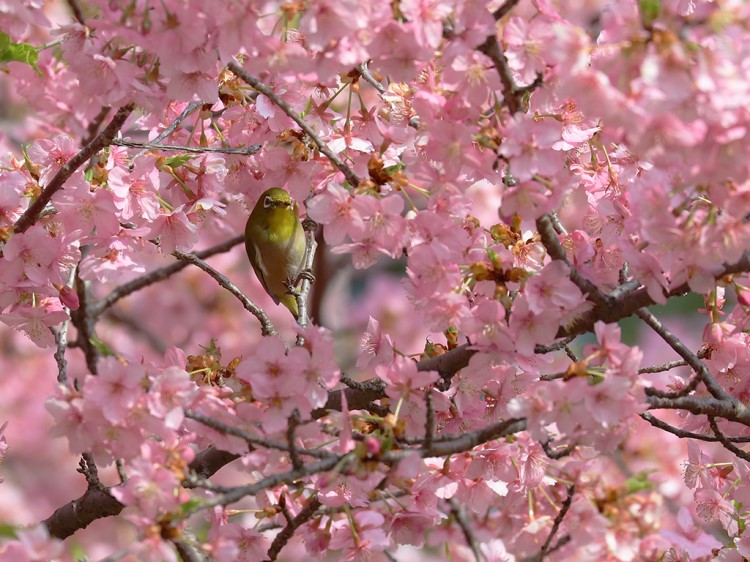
pixel 275 244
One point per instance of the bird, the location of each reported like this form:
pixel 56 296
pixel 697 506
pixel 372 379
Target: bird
pixel 275 243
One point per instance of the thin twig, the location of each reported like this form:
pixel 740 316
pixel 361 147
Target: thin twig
pixel 512 93
pixel 465 526
pixel 77 12
pixel 137 329
pixel 668 366
pixel 365 73
pixel 552 454
pixel 462 443
pixel 294 421
pixel 350 176
pixel 254 440
pixel 104 138
pixel 696 364
pixel 159 275
pixel 728 445
pixel 61 338
pixel 732 410
pixel 307 265
pixel 682 434
pixel 172 127
pixel 280 540
pixel 558 521
pixel 248 150
pixel 558 345
pixel 429 424
pixel 267 328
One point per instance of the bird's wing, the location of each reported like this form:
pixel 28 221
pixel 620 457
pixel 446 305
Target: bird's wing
pixel 256 259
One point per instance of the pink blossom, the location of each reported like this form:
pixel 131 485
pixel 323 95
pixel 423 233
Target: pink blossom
pixel 116 388
pixel 427 16
pixel 690 538
pixel 175 231
pixel 12 205
pixel 85 211
pixel 403 378
pixel 553 287
pixel 52 155
pixel 531 329
pixel 152 488
pixel 376 348
pixel 333 207
pixel 170 395
pixel 36 321
pixel 710 506
pixel 37 250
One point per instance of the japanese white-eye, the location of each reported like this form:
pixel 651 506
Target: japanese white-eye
pixel 275 244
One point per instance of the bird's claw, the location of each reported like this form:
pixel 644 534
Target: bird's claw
pixel 306 274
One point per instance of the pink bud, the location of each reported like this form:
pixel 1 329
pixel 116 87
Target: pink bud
pixel 372 446
pixel 69 297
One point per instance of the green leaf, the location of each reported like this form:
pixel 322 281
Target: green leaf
pixel 179 160
pixel 18 52
pixel 638 483
pixel 8 531
pixel 649 11
pixel 189 507
pixel 102 347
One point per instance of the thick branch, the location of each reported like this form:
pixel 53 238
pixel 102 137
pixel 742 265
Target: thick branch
pixel 104 138
pixel 732 410
pixel 682 434
pixel 557 252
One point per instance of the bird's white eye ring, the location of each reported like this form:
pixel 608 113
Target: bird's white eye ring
pixel 267 202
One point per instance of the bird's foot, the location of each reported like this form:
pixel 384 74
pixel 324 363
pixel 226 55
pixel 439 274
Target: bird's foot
pixel 305 274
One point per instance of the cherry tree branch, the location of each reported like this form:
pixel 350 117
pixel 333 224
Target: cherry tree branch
pixel 728 445
pixel 350 176
pixel 172 127
pixel 311 245
pixel 544 225
pixel 547 546
pixel 461 443
pixel 253 440
pixel 512 93
pixel 732 410
pixel 93 127
pixel 248 150
pixel 365 73
pixel 77 12
pixel 280 540
pixel 504 9
pixel 682 434
pixel 84 322
pixel 696 364
pixel 159 275
pixel 668 366
pixel 103 139
pixel 465 526
pixel 267 328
